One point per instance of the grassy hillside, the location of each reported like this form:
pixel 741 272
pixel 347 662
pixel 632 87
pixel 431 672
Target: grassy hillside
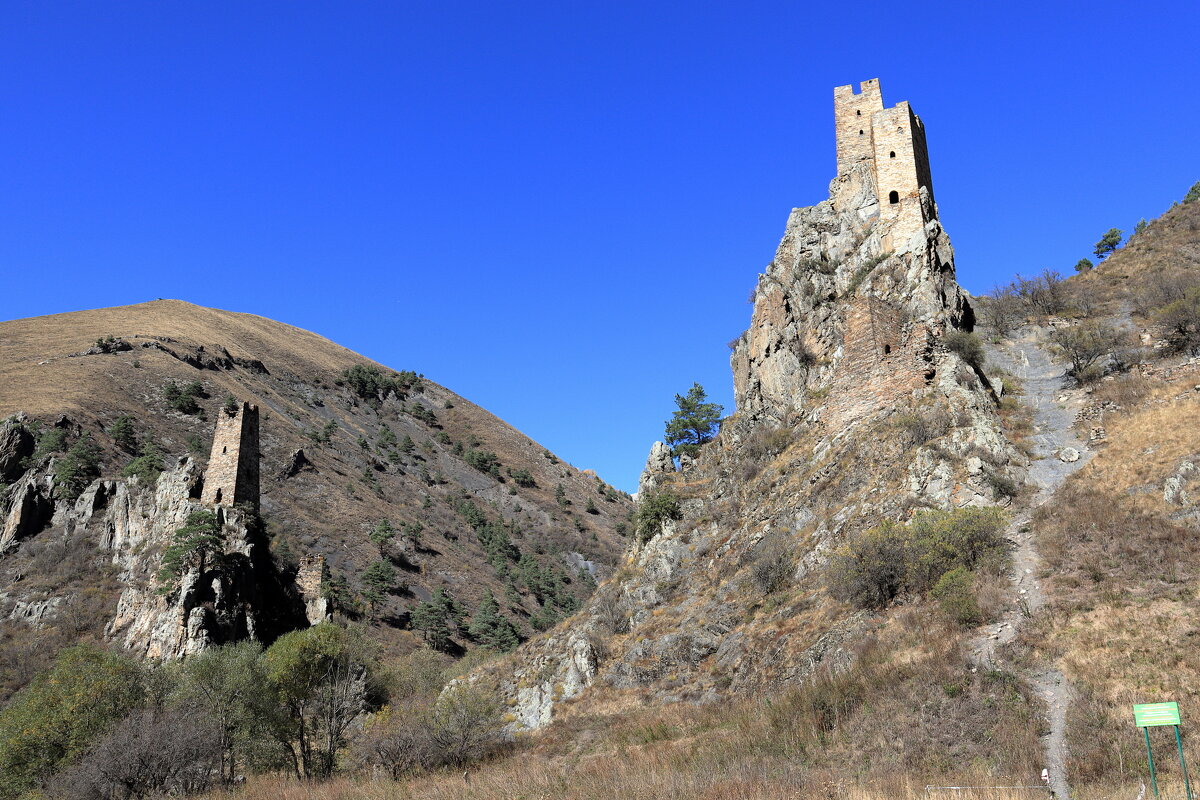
pixel 437 467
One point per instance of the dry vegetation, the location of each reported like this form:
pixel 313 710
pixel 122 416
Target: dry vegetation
pixel 908 712
pixel 1122 575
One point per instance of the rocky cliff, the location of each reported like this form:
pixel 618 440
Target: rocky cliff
pixel 855 405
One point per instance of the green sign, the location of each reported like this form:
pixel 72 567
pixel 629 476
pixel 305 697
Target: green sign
pixel 1148 715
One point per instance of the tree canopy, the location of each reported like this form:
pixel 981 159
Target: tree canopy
pixel 695 421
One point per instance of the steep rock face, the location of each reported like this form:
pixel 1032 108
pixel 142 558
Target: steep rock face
pixel 850 308
pixel 852 410
pixel 241 597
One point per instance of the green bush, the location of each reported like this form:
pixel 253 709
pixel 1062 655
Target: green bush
pixel 968 347
pixel 123 433
pixel 54 720
pixel 875 566
pixel 1193 193
pixel 78 467
pixel 147 466
pixel 655 510
pixel 955 593
pixel 183 398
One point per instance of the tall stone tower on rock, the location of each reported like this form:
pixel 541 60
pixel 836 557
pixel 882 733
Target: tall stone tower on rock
pixel 850 317
pixel 232 475
pixel 891 143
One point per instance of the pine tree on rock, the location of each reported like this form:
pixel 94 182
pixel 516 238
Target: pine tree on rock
pixel 694 423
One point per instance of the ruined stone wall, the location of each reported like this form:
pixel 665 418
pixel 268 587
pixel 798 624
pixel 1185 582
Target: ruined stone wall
pixel 232 474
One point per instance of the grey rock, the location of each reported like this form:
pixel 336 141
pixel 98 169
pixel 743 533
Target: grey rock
pixel 1068 455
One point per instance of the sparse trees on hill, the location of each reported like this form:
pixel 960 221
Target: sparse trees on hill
pixel 1042 294
pixel 1181 319
pixel 1002 310
pixel 694 423
pixel 1109 242
pixel 1193 193
pixel 1086 345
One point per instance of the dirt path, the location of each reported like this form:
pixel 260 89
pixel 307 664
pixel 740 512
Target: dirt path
pixel 1053 414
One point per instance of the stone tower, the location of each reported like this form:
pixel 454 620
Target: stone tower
pixel 232 475
pixel 891 141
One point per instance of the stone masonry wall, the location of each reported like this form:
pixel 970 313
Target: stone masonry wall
pixel 892 141
pixel 232 474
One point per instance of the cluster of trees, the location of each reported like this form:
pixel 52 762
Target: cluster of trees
pixel 369 383
pixel 185 399
pixel 937 552
pixel 99 724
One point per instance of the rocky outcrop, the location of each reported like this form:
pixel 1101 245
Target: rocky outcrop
pixel 237 596
pixel 658 463
pixel 848 312
pixel 853 409
pixel 16 445
pixel 29 508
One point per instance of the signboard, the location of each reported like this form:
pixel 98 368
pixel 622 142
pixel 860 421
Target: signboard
pixel 1148 715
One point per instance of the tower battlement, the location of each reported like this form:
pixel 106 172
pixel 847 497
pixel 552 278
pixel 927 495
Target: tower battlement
pixel 891 141
pixel 232 474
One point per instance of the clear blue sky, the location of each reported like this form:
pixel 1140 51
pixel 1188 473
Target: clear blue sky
pixel 555 209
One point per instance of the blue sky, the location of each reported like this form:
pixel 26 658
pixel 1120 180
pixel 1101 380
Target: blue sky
pixel 555 209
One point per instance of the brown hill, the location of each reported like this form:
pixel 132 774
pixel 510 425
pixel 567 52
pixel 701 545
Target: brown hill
pixel 335 462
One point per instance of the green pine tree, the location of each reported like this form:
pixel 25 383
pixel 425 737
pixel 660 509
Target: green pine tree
pixel 201 538
pixel 490 628
pixel 694 423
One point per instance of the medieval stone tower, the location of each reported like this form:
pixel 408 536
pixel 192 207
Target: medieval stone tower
pixel 891 141
pixel 232 475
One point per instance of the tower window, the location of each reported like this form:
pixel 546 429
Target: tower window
pixel 887 349
pixel 860 133
pixel 893 197
pixel 892 154
pixel 225 449
pixel 858 112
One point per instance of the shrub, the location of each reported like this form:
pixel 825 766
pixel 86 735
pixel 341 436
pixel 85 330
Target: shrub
pixel 1084 265
pixel 183 398
pixel 873 567
pixel 1193 193
pixel 62 712
pixel 201 539
pixel 1181 320
pixel 482 460
pixel 522 477
pixel 147 466
pixel 653 511
pixel 1085 345
pixel 772 565
pixel 1002 310
pixel 1003 487
pixel 967 346
pixel 955 593
pixel 123 433
pixel 77 467
pixel 152 753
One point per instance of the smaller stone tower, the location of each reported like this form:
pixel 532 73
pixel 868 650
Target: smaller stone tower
pixel 891 141
pixel 232 475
